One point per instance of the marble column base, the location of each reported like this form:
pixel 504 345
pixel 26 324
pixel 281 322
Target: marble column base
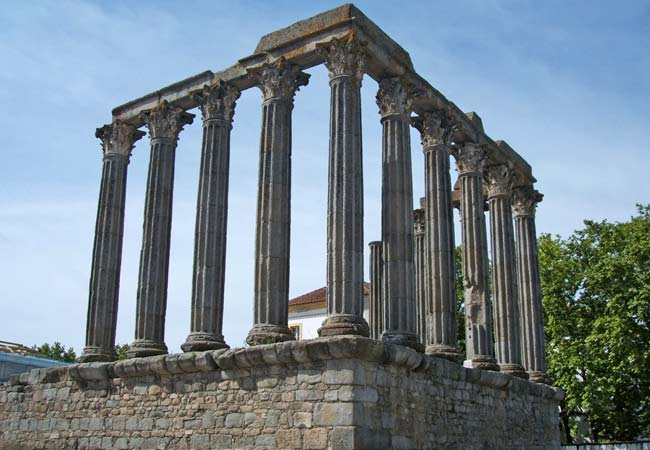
pixel 482 362
pixel 406 339
pixel 539 377
pixel 97 354
pixel 269 334
pixel 343 324
pixel 198 342
pixel 444 351
pixel 516 370
pixel 146 347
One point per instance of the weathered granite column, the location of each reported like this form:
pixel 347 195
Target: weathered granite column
pixel 164 122
pixel 421 271
pixel 376 307
pixel 470 158
pixel 394 104
pixel 507 331
pixel 440 309
pixel 344 60
pixel 118 140
pixel 217 105
pixel 278 82
pixel 530 292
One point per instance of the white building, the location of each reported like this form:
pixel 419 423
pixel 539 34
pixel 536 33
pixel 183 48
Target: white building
pixel 307 312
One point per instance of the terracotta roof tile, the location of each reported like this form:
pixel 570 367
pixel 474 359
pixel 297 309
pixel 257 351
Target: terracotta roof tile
pixel 318 295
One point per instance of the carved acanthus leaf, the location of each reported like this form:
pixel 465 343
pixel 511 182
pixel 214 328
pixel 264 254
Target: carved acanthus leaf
pixel 419 220
pixel 434 128
pixel 166 121
pixel 218 101
pixel 470 158
pixel 499 180
pixel 394 97
pixel 118 138
pixel 525 199
pixel 344 57
pixel 279 79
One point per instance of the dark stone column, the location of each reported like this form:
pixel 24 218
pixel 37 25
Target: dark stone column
pixel 478 312
pixel 164 122
pixel 344 60
pixel 376 308
pixel 440 309
pixel 421 271
pixel 279 82
pixel 504 284
pixel 530 292
pixel 397 215
pixel 117 142
pixel 217 108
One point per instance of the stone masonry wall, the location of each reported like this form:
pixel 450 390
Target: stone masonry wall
pixel 330 393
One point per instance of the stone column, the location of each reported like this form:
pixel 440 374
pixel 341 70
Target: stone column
pixel 421 272
pixel 118 140
pixel 344 60
pixel 507 329
pixel 164 122
pixel 478 314
pixel 279 82
pixel 530 292
pixel 217 105
pixel 376 309
pixel 397 215
pixel 442 338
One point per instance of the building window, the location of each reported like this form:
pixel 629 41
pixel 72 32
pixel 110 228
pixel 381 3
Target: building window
pixel 296 329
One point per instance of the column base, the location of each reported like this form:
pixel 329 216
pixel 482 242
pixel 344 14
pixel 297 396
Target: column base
pixel 539 377
pixel 200 341
pixel 406 339
pixel 444 351
pixel 516 370
pixel 344 324
pixel 482 362
pixel 269 334
pixel 97 354
pixel 146 347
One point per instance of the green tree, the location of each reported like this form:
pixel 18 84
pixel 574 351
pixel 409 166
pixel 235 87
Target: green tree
pixel 121 350
pixel 596 294
pixel 56 351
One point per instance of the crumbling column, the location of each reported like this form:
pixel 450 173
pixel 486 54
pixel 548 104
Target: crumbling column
pixel 530 292
pixel 421 272
pixel 470 158
pixel 278 82
pixel 507 329
pixel 440 309
pixel 376 307
pixel 118 140
pixel 344 60
pixel 397 215
pixel 217 105
pixel 164 122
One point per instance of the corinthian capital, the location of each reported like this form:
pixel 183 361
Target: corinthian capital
pixel 499 180
pixel 470 158
pixel 419 221
pixel 118 138
pixel 434 128
pixel 279 79
pixel 394 97
pixel 344 57
pixel 166 121
pixel 525 199
pixel 218 101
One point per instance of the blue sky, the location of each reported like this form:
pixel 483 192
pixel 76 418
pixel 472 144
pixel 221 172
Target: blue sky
pixel 565 83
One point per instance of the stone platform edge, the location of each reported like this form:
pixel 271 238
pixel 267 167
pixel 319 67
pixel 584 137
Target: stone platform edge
pixel 238 362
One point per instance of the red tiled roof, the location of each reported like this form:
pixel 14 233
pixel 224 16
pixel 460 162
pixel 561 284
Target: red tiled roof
pixel 319 295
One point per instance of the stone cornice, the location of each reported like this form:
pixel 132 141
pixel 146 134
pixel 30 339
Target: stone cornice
pixel 217 102
pixel 166 121
pixel 118 138
pixel 344 57
pixel 279 79
pixel 499 181
pixel 470 158
pixel 434 129
pixel 524 201
pixel 395 97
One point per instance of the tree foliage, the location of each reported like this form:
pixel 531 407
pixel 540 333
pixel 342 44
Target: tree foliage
pixel 596 294
pixel 56 351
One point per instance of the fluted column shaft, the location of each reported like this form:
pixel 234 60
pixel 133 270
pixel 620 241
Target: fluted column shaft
pixel 478 313
pixel 397 215
pixel 421 273
pixel 117 142
pixel 344 60
pixel 206 322
pixel 440 302
pixel 376 308
pixel 528 281
pixel 164 122
pixel 278 82
pixel 507 329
